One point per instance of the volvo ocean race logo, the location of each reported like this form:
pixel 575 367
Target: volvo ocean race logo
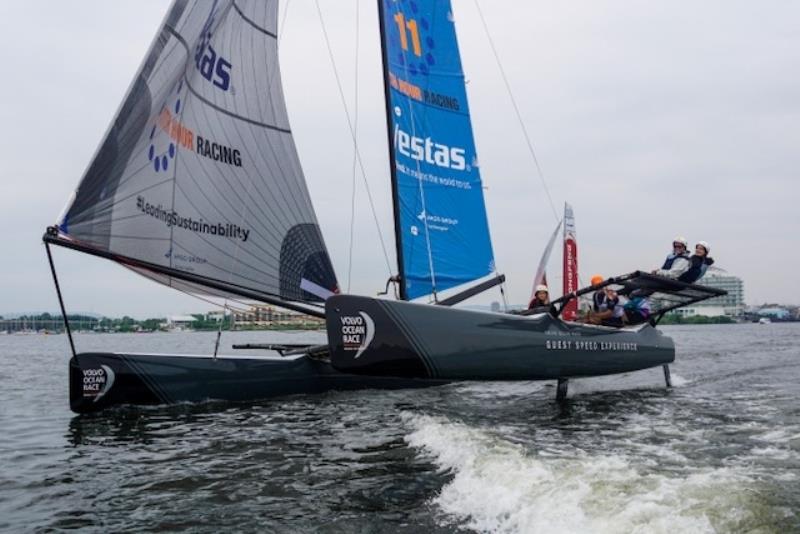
pixel 427 150
pixel 357 332
pixel 212 66
pixel 97 382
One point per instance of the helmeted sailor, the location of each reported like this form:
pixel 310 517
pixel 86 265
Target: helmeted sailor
pixel 541 298
pixel 599 296
pixel 677 261
pixel 698 263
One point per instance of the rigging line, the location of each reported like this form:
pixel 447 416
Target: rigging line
pixel 244 212
pixel 516 110
pixel 286 179
pixel 353 135
pixel 268 253
pixel 289 177
pixel 211 104
pixel 503 295
pixel 60 299
pixel 273 75
pixel 199 297
pixel 234 183
pixel 256 270
pixel 111 201
pixel 355 161
pixel 253 23
pixel 421 187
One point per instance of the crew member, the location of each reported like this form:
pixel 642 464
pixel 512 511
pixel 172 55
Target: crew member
pixel 541 298
pixel 677 261
pixel 599 296
pixel 698 263
pixel 637 309
pixel 610 312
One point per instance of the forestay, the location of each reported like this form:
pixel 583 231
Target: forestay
pixel 441 217
pixel 198 178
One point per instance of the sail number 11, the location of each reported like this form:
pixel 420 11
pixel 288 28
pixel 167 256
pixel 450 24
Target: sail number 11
pixel 411 25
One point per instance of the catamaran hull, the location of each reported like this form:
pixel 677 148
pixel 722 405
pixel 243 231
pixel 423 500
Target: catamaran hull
pixel 375 344
pixel 379 337
pixel 101 380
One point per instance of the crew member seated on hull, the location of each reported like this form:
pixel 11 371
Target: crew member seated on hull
pixel 637 309
pixel 677 262
pixel 698 263
pixel 609 311
pixel 541 299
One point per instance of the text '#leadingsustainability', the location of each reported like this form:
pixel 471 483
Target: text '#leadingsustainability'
pixel 172 218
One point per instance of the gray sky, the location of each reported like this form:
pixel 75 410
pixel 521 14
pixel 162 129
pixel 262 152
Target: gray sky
pixel 651 119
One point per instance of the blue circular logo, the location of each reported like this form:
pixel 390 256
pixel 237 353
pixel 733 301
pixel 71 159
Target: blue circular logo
pixel 162 154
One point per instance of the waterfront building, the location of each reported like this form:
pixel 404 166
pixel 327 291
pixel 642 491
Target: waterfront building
pixel 179 323
pixel 731 305
pixel 780 314
pixel 259 316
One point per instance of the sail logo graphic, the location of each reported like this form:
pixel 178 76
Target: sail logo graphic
pixel 97 382
pixel 427 150
pixel 177 132
pixel 213 67
pixel 178 135
pixel 357 332
pixel 415 39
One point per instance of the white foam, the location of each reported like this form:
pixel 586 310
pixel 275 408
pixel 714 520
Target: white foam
pixel 773 453
pixel 678 381
pixel 499 486
pixel 776 436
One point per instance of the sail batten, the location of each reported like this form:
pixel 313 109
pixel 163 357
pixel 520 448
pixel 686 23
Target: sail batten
pixel 440 217
pixel 199 172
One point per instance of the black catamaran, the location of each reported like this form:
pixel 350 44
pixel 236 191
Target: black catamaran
pixel 198 185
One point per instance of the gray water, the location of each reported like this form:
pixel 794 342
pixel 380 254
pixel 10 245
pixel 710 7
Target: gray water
pixel 718 453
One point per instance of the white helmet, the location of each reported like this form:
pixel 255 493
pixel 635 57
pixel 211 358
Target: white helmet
pixel 705 245
pixel 541 288
pixel 682 240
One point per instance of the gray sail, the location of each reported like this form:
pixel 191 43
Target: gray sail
pixel 197 183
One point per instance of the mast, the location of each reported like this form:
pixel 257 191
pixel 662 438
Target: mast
pixel 392 167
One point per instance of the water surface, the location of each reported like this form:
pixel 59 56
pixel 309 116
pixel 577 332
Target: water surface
pixel 718 453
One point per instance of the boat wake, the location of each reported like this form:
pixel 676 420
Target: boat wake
pixel 500 486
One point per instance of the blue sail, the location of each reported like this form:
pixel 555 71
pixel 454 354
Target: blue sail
pixel 441 215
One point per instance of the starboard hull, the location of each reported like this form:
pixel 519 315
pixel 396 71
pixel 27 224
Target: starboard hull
pixel 379 337
pixel 101 380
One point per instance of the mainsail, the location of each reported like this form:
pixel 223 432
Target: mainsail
pixel 197 183
pixel 570 262
pixel 440 216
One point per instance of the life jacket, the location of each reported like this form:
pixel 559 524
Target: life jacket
pixel 602 302
pixel 536 303
pixel 640 305
pixel 671 259
pixel 598 300
pixel 698 266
